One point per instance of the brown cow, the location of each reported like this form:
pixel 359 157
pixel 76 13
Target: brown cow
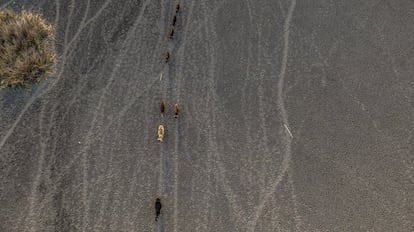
pixel 167 57
pixel 177 7
pixel 176 110
pixel 172 33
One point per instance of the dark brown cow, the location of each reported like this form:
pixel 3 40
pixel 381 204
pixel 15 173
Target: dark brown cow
pixel 174 20
pixel 157 208
pixel 162 107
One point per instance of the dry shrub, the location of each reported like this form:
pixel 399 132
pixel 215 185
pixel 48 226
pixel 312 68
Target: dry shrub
pixel 26 54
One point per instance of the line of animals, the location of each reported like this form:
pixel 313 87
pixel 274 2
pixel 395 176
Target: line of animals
pixel 176 108
pixel 172 31
pixel 161 128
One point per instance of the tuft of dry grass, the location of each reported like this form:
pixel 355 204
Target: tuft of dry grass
pixel 26 54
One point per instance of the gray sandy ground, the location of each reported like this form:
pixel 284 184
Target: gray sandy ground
pixel 296 116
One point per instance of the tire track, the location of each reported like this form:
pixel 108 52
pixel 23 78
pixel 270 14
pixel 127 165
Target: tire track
pixel 114 119
pixel 83 154
pixel 283 113
pixel 297 218
pixel 213 152
pixel 57 18
pixel 66 52
pixel 201 224
pixel 175 215
pixel 65 45
pixel 121 56
pixel 71 8
pixel 30 222
pixel 161 178
pixel 176 97
pixel 135 177
pixel 251 137
pixel 148 137
pixel 109 184
pixel 201 25
pixel 166 86
pixel 164 167
pixel 117 192
pixel 109 189
pixel 263 143
pixel 83 26
pixel 64 172
pixel 181 51
pixel 19 117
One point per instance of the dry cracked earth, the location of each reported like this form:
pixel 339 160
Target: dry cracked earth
pixel 295 116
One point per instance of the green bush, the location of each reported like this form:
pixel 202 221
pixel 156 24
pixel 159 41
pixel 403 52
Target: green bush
pixel 26 54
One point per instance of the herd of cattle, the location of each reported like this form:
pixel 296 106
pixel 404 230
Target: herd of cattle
pixel 176 108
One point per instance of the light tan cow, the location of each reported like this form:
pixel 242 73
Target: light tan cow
pixel 160 133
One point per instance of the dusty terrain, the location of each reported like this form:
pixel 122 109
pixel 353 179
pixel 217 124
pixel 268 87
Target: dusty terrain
pixel 295 116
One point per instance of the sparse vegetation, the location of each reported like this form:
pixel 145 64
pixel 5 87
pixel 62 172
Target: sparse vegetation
pixel 26 54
